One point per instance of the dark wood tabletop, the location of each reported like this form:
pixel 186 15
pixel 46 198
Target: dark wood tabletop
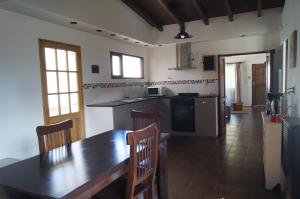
pixel 77 171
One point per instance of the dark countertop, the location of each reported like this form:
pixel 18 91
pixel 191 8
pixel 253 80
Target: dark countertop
pixel 121 103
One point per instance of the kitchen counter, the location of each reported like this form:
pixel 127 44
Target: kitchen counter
pixel 130 101
pixel 116 114
pixel 122 102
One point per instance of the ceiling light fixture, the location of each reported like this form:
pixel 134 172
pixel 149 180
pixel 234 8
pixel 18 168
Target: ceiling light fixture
pixel 99 30
pixel 73 22
pixel 182 34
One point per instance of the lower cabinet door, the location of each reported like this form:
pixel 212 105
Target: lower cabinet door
pixel 206 117
pixel 122 119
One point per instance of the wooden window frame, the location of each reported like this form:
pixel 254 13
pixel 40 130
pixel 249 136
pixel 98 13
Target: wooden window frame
pixel 120 55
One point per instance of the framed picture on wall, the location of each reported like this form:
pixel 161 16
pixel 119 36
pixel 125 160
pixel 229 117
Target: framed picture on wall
pixel 293 50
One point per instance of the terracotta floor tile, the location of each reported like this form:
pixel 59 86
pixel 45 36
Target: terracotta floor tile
pixel 230 167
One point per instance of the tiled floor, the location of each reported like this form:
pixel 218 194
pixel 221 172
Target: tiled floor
pixel 230 167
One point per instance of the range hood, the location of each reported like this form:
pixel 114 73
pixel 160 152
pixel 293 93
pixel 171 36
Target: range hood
pixel 184 57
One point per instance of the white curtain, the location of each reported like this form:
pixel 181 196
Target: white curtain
pixel 230 83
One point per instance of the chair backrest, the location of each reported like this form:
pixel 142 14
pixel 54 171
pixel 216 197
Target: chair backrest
pixel 143 119
pixel 143 158
pixel 54 135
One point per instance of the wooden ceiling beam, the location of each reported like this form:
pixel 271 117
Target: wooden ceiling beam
pixel 259 8
pixel 201 11
pixel 131 4
pixel 164 5
pixel 228 10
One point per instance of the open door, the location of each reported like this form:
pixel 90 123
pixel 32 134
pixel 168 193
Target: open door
pixel 222 97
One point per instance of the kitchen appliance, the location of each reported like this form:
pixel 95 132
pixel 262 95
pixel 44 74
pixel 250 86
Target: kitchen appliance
pixel 290 161
pixel 156 91
pixel 183 112
pixel 184 56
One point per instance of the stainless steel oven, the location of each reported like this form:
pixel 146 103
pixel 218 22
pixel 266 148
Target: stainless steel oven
pixel 183 112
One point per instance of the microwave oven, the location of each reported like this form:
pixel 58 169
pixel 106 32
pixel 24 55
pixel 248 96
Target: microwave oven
pixel 156 91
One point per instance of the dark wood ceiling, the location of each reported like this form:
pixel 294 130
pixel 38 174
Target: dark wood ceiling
pixel 165 12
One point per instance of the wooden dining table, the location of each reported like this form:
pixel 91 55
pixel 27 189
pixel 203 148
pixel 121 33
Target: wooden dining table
pixel 78 171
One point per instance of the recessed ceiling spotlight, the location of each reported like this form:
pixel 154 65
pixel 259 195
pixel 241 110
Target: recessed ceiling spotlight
pixel 99 30
pixel 73 22
pixel 146 45
pixel 159 45
pixel 112 35
pixel 126 39
pixel 243 35
pixel 137 42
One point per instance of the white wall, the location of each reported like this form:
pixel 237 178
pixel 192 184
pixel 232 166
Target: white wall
pixel 290 22
pixel 110 15
pixel 164 57
pixel 20 83
pixel 246 73
pixel 220 28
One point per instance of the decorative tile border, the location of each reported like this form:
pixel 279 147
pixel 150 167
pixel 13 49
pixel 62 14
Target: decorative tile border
pixel 113 85
pixel 198 81
pixel 141 84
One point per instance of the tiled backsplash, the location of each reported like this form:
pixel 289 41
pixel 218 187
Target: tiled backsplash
pixel 152 83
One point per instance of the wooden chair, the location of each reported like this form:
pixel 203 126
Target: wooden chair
pixel 144 119
pixel 141 170
pixel 143 161
pixel 54 135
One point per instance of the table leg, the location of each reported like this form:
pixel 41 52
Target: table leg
pixel 163 171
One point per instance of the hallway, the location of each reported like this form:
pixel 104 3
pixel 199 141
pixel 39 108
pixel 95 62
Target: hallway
pixel 230 167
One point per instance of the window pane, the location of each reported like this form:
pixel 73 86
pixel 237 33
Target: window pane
pixel 74 103
pixel 64 104
pixel 116 67
pixel 53 105
pixel 73 82
pixel 61 60
pixel 50 59
pixel 132 67
pixel 72 61
pixel 63 82
pixel 51 82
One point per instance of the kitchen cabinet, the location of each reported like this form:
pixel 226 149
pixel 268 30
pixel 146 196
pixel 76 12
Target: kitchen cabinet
pixel 121 114
pixel 165 108
pixel 206 116
pixel 117 116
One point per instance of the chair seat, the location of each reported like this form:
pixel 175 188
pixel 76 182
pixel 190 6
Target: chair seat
pixel 117 190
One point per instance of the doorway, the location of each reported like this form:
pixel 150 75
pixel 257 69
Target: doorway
pixel 62 85
pixel 236 89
